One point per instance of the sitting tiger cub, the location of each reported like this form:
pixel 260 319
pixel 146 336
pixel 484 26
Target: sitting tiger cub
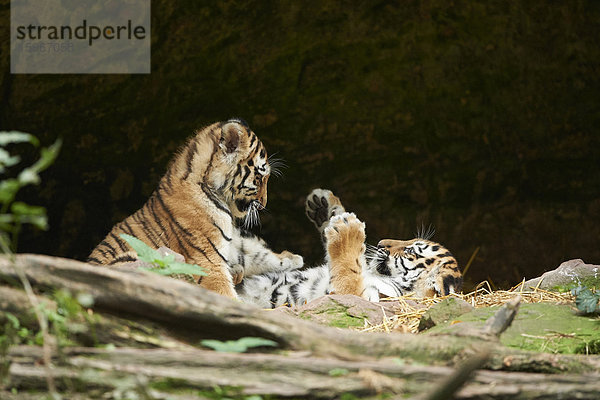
pixel 212 191
pixel 392 268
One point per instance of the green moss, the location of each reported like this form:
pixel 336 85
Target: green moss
pixel 348 396
pixel 169 384
pixel 335 316
pixel 446 310
pixel 338 372
pixel 181 387
pixel 339 317
pixel 588 282
pixel 541 327
pixel 589 347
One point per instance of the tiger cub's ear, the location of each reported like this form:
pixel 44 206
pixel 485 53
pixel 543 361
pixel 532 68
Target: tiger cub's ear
pixel 230 137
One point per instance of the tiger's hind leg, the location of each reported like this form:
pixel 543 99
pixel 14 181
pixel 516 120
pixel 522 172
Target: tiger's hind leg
pixel 320 206
pixel 345 246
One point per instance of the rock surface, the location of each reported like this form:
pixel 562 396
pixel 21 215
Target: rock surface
pixel 342 311
pixel 443 312
pixel 569 274
pixel 545 327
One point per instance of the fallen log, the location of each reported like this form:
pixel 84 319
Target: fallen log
pixel 192 313
pixel 189 313
pixel 145 310
pixel 168 372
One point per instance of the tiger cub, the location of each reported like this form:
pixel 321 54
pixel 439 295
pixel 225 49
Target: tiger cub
pixel 202 208
pixel 393 268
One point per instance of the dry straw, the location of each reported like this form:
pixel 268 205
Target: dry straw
pixel 409 309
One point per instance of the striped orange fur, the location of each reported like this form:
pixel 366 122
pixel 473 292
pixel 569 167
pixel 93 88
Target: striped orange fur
pixel 216 183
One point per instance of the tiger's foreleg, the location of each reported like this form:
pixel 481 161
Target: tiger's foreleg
pixel 345 247
pixel 212 256
pixel 254 257
pixel 217 278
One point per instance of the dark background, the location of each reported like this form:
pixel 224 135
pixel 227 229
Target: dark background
pixel 479 117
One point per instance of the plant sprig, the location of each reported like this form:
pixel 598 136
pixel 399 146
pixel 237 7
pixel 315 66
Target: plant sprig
pixel 586 300
pixel 164 264
pixel 237 346
pixel 21 213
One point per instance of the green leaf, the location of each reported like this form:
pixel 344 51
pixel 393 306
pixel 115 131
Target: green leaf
pixel 8 190
pixel 39 221
pixel 47 156
pixel 183 268
pixel 166 264
pixel 23 333
pixel 164 260
pixel 6 219
pixel 20 208
pixel 222 347
pixel 586 300
pixel 338 372
pixel 28 177
pixel 17 137
pixel 13 320
pixel 256 342
pixel 6 160
pixel 160 270
pixel 144 252
pixel 237 346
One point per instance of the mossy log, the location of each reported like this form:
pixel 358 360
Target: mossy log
pixel 166 319
pixel 168 372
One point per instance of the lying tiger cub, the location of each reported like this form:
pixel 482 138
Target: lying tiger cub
pixel 393 268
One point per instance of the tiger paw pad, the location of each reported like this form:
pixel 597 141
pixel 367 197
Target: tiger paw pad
pixel 321 205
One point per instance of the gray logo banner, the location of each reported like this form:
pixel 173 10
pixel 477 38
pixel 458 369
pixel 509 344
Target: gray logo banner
pixel 80 36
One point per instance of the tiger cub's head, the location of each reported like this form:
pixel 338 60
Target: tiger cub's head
pixel 419 265
pixel 246 186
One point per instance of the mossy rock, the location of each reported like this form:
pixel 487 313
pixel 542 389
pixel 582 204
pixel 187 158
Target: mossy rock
pixel 542 327
pixel 444 311
pixel 344 311
pixel 336 316
pixel 570 274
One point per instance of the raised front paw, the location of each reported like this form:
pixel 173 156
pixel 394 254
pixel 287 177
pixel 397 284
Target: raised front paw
pixel 321 205
pixel 345 235
pixel 290 260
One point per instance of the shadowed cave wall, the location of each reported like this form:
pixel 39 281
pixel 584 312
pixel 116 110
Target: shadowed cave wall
pixel 480 118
